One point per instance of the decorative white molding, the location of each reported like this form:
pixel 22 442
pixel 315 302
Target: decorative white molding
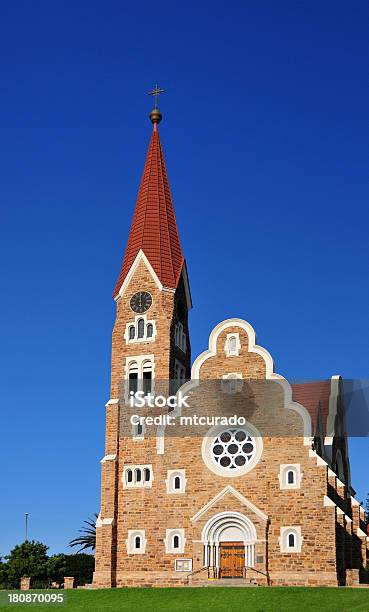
pixel 108 458
pixel 207 456
pixel 321 462
pixel 227 347
pixel 340 484
pixel 284 468
pixel 269 368
pixel 108 521
pixel 361 533
pixel 137 484
pixel 328 501
pixel 111 402
pixel 170 481
pixel 139 257
pixel 232 491
pixel 340 512
pixel 354 502
pixel 130 542
pixel 134 323
pixel 289 403
pixel 168 541
pixel 284 536
pixel 331 473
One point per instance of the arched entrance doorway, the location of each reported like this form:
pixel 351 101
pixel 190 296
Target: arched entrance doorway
pixel 229 544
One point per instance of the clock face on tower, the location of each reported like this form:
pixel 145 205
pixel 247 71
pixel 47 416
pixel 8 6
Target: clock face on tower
pixel 141 301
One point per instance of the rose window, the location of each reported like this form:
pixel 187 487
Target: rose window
pixel 233 449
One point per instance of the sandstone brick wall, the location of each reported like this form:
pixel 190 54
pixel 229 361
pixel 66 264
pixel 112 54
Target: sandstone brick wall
pixel 327 548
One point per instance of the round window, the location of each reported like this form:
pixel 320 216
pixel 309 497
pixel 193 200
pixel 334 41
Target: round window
pixel 233 448
pixel 232 451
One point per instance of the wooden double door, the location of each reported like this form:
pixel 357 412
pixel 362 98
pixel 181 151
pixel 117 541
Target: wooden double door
pixel 231 559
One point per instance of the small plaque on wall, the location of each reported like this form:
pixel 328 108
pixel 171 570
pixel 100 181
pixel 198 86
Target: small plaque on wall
pixel 183 565
pixel 259 559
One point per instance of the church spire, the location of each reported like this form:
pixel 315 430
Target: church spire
pixel 154 228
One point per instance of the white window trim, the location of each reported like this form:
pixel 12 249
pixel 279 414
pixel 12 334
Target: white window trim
pixel 134 324
pixel 180 339
pixel 227 343
pixel 207 452
pixel 140 361
pixel 130 542
pixel 137 436
pixel 227 388
pixel 283 539
pixel 137 485
pixel 169 535
pixel 171 474
pixel 284 468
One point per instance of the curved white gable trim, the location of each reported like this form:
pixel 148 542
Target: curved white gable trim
pixel 139 257
pixel 269 375
pixel 212 350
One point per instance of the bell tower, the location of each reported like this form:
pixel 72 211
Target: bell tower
pixel 150 340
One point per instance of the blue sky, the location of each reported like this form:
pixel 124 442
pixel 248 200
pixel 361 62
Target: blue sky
pixel 263 135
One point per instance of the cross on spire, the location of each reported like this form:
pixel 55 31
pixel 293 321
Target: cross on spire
pixel 156 93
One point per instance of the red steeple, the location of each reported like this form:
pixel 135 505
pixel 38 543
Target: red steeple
pixel 154 228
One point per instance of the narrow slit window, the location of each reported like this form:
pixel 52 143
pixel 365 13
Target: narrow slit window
pixel 149 330
pixel 147 378
pixel 147 475
pixel 177 483
pixel 137 542
pixel 141 328
pixel 133 378
pixel 129 476
pixel 176 541
pixel 291 540
pixel 291 477
pixel 138 475
pixel 132 332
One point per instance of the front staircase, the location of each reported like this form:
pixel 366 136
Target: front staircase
pixel 223 582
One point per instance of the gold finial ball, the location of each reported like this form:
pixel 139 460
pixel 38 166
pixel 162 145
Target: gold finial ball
pixel 155 116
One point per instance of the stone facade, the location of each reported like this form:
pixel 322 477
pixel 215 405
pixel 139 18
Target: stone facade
pixel 284 505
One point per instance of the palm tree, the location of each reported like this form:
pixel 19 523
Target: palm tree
pixel 88 539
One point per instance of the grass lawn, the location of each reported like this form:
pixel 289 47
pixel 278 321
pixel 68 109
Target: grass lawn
pixel 217 599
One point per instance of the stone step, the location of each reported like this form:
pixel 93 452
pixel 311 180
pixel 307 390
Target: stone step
pixel 231 582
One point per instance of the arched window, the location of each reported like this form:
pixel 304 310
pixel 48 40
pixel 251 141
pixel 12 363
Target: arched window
pixel 177 483
pixel 129 476
pixel 291 479
pixel 139 429
pixel 147 475
pixel 149 330
pixel 176 541
pixel 138 541
pixel 232 345
pixel 138 475
pixel 132 332
pixel 291 540
pixel 132 376
pixel 141 328
pixel 147 377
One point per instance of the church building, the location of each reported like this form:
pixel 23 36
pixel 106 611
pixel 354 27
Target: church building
pixel 265 499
